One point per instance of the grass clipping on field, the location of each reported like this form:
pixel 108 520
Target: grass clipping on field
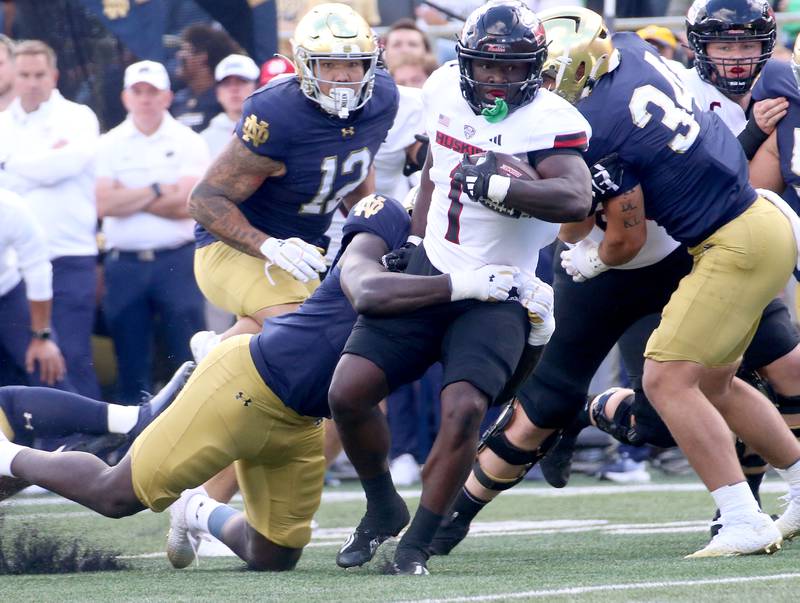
pixel 30 551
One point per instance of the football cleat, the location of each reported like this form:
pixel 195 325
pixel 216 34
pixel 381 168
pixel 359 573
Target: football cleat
pixel 449 534
pixel 9 486
pixel 753 535
pixel 789 521
pixel 409 562
pixel 361 545
pixel 181 543
pixel 158 403
pixel 556 465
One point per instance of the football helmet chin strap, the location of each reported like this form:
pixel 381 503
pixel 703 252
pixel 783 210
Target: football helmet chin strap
pixel 340 101
pixel 495 440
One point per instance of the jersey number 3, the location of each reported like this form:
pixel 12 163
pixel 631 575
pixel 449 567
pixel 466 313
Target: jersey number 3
pixel 674 116
pixel 326 199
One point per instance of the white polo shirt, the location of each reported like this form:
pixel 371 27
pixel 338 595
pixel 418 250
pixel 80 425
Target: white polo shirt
pixel 218 133
pixel 48 157
pixel 391 155
pixel 135 160
pixel 23 251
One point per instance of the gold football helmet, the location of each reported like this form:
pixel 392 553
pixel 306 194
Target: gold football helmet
pixel 334 32
pixel 580 50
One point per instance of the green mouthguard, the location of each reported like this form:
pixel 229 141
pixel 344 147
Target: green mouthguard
pixel 496 113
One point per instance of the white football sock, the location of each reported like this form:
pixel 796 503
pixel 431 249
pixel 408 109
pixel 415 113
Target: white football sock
pixel 121 419
pixel 8 450
pixel 735 501
pixel 198 510
pixel 791 475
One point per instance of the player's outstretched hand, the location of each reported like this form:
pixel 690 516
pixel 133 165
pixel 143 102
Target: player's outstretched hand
pixel 397 259
pixel 537 297
pixel 488 283
pixel 300 259
pixel 475 177
pixel 769 112
pixel 582 261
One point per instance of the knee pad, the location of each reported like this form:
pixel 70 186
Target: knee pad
pixel 750 461
pixel 495 440
pixel 786 405
pixel 620 426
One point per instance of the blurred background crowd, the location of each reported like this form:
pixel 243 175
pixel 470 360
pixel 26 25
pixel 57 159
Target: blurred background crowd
pixel 110 111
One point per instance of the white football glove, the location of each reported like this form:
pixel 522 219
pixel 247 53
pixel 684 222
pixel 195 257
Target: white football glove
pixel 300 259
pixel 488 283
pixel 582 261
pixel 537 297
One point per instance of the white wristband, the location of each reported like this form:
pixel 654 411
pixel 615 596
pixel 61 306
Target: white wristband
pixel 414 240
pixel 462 286
pixel 498 188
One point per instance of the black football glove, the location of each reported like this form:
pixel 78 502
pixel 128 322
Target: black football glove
pixel 414 166
pixel 475 178
pixel 397 259
pixel 606 178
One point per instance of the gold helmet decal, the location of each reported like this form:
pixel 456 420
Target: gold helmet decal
pixel 334 32
pixel 580 50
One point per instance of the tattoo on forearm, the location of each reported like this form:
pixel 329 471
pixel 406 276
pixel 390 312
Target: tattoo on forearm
pixel 220 216
pixel 630 223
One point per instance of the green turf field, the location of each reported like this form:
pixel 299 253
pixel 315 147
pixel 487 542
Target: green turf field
pixel 589 542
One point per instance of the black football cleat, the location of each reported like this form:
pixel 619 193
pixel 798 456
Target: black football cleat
pixel 449 534
pixel 556 465
pixel 361 545
pixel 409 562
pixel 154 405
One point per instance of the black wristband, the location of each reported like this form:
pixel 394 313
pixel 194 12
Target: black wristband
pixel 751 138
pixel 156 189
pixel 42 334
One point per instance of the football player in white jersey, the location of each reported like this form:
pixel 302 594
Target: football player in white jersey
pixel 489 100
pixel 603 303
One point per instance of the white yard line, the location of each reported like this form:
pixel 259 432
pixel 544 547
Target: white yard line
pixel 580 590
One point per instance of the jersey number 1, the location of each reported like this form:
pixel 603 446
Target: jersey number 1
pixel 454 211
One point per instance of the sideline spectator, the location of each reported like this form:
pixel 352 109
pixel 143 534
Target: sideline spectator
pixel 411 70
pixel 274 67
pixel 236 77
pixel 26 307
pixel 47 149
pixel 202 48
pixel 146 168
pixel 6 72
pixel 661 38
pixel 404 38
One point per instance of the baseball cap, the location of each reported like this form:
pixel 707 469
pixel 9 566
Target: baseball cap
pixel 274 67
pixel 237 65
pixel 148 72
pixel 659 35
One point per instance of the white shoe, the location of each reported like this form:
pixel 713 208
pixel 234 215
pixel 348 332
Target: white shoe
pixel 181 543
pixel 404 470
pixel 789 521
pixel 202 343
pixel 750 535
pixel 626 471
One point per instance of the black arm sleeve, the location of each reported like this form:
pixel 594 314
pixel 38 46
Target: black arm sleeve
pixel 751 138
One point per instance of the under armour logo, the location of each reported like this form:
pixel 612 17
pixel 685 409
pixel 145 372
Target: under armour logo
pixel 491 278
pixel 241 397
pixel 28 416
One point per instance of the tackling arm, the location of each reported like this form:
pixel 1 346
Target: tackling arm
pixel 626 230
pixel 232 178
pixel 765 167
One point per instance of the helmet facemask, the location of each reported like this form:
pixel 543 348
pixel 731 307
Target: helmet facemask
pixel 713 70
pixel 343 97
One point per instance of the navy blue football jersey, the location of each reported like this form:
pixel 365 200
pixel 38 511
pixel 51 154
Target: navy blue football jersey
pixel 777 79
pixel 326 157
pixel 296 353
pixel 691 168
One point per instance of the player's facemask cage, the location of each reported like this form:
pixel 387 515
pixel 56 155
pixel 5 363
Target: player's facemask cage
pixel 580 51
pixel 732 21
pixel 335 32
pixel 501 32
